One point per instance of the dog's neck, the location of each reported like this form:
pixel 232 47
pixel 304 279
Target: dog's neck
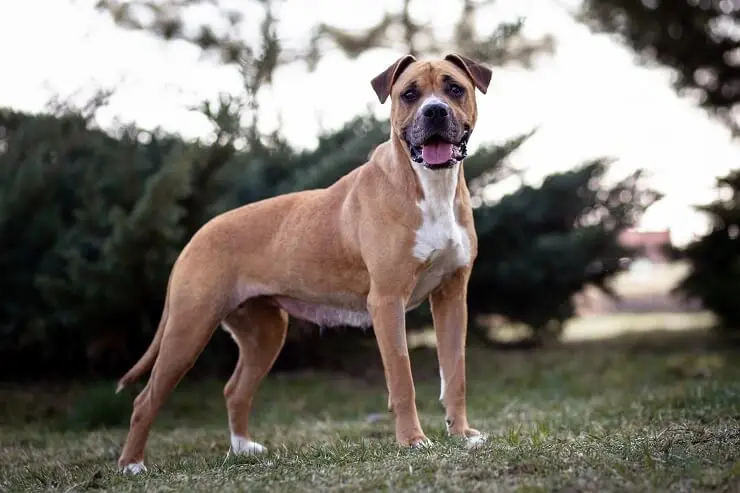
pixel 435 186
pixel 438 186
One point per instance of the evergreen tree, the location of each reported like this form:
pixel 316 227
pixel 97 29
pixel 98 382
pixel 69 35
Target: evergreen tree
pixel 697 39
pixel 83 251
pixel 715 258
pixel 542 245
pixel 168 20
pixel 90 222
pixel 91 225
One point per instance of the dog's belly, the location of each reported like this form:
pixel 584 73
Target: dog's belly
pixel 352 310
pixel 323 314
pixel 443 250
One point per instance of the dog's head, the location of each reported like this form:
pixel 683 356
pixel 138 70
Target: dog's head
pixel 433 107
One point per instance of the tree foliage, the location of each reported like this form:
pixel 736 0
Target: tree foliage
pixel 171 20
pixel 90 225
pixel 715 258
pixel 91 222
pixel 167 20
pixel 699 39
pixel 545 244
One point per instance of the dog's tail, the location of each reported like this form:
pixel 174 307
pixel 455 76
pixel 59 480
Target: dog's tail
pixel 146 362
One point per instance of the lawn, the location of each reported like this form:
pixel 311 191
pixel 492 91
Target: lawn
pixel 648 412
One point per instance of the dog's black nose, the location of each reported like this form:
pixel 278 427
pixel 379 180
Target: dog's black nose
pixel 435 112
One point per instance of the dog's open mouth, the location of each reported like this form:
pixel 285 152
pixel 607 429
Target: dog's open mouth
pixel 438 153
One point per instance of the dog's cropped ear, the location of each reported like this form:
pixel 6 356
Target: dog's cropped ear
pixel 383 82
pixel 480 75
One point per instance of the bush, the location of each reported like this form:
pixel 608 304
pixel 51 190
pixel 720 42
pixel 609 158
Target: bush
pixel 97 407
pixel 91 223
pixel 714 277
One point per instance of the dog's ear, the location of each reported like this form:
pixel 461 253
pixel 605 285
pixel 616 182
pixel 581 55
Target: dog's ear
pixel 383 82
pixel 480 75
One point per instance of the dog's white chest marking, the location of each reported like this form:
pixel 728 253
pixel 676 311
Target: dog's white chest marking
pixel 441 243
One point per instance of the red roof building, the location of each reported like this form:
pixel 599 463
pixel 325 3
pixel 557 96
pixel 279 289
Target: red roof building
pixel 649 244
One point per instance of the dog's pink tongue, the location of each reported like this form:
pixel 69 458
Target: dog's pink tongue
pixel 436 153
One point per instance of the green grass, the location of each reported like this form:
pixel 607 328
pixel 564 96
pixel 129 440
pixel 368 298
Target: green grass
pixel 658 413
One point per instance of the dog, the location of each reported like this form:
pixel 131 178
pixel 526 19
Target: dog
pixel 392 233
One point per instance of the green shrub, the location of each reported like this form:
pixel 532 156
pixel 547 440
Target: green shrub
pixel 714 258
pixel 91 223
pixel 98 407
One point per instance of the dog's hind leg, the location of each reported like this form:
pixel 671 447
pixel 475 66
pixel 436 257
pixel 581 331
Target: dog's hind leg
pixel 191 321
pixel 259 329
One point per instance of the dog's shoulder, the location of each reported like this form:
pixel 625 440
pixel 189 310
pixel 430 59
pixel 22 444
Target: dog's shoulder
pixel 380 152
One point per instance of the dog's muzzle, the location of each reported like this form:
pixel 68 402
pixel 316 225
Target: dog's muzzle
pixel 435 139
pixel 438 152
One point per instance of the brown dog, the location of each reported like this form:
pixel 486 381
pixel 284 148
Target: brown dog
pixel 377 243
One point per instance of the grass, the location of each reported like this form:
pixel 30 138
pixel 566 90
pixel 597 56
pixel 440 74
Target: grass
pixel 643 413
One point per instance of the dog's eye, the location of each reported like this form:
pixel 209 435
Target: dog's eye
pixel 410 95
pixel 455 90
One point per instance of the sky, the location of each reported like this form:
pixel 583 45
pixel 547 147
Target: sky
pixel 588 100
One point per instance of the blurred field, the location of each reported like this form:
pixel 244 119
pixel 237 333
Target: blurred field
pixel 643 412
pixel 644 288
pixel 646 304
pixel 646 279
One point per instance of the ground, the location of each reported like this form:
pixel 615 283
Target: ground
pixel 646 412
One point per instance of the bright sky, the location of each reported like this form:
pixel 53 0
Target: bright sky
pixel 589 100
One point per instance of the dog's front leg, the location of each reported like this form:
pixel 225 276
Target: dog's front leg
pixel 389 323
pixel 450 315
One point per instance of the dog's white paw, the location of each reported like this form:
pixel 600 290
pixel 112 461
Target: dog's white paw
pixel 476 440
pixel 424 443
pixel 134 469
pixel 244 446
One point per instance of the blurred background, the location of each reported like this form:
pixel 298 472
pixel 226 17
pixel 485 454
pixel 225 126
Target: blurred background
pixel 604 164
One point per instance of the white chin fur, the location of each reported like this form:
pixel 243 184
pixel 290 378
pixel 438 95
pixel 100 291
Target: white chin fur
pixel 244 446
